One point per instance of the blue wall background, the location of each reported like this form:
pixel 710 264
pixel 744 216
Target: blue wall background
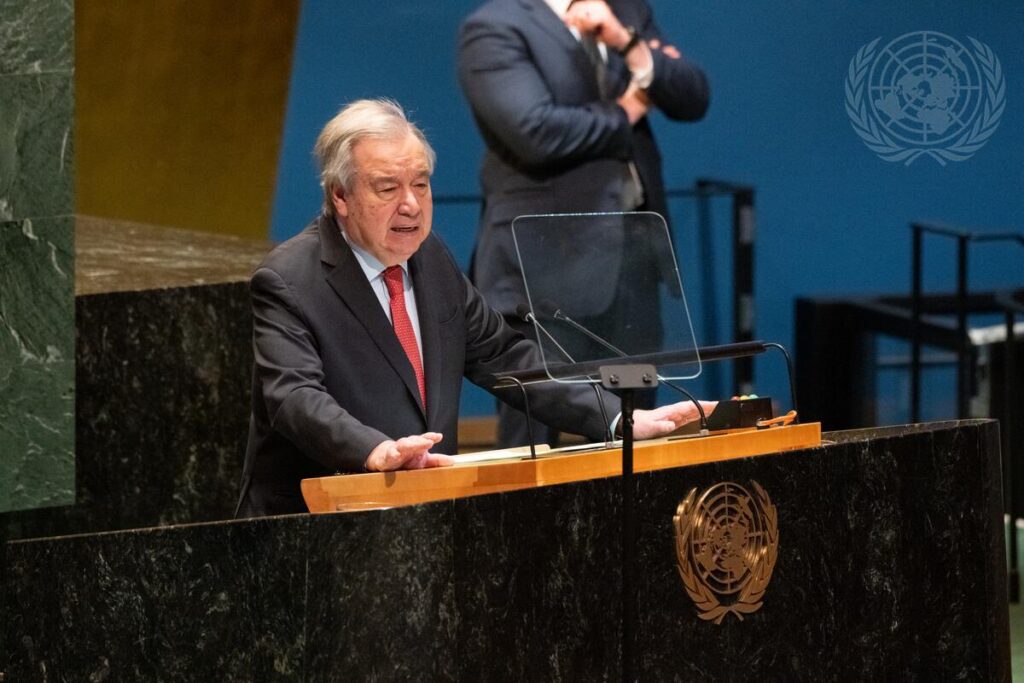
pixel 832 216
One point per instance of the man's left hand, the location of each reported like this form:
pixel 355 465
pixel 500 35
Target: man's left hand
pixel 650 424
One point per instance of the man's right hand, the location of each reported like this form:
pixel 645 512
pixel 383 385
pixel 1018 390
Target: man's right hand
pixel 634 101
pixel 597 18
pixel 407 453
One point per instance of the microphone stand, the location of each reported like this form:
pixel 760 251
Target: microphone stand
pixel 558 315
pixel 527 316
pixel 515 381
pixel 789 370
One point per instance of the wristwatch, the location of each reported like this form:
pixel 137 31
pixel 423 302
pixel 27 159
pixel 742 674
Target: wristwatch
pixel 634 38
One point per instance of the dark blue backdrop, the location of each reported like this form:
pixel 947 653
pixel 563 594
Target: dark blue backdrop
pixel 832 216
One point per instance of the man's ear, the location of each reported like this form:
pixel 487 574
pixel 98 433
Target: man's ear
pixel 338 198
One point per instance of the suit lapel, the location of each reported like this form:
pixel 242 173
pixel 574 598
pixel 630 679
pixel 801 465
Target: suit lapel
pixel 348 281
pixel 542 15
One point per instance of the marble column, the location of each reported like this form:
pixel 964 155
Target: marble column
pixel 163 364
pixel 37 366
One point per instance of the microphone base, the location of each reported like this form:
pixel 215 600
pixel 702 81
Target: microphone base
pixel 740 413
pixel 734 414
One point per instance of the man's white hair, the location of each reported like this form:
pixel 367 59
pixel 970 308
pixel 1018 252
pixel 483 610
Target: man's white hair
pixel 378 118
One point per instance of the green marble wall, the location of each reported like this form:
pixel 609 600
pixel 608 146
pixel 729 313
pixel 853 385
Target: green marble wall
pixel 37 360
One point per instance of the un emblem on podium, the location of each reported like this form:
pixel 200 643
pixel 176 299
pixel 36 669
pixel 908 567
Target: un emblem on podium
pixel 727 542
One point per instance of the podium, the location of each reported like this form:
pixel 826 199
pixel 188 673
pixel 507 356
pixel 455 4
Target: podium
pixel 889 565
pixel 343 493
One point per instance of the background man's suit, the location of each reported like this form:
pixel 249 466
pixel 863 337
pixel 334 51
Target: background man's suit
pixel 331 380
pixel 554 143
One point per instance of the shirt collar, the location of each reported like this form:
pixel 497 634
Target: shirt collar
pixel 372 267
pixel 559 7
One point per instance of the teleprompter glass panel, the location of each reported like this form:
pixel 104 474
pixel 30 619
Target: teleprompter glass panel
pixel 605 289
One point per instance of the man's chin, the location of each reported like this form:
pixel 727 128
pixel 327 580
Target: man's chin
pixel 405 244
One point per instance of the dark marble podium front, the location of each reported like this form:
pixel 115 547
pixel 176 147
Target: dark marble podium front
pixel 890 567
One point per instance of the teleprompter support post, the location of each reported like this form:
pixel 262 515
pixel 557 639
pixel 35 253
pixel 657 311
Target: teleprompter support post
pixel 626 380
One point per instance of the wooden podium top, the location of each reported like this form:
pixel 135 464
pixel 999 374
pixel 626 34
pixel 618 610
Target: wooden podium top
pixel 407 487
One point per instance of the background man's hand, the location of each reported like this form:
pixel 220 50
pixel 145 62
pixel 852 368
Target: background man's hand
pixel 407 453
pixel 634 101
pixel 596 17
pixel 650 424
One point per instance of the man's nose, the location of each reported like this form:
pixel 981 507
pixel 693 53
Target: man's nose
pixel 410 205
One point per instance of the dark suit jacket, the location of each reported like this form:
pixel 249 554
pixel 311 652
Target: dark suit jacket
pixel 553 146
pixel 331 380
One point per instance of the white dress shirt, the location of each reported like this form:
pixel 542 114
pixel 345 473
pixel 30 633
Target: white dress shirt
pixel 374 271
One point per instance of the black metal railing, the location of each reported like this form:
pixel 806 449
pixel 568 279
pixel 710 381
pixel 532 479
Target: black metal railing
pixel 964 349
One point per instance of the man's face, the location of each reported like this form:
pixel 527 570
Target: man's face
pixel 388 210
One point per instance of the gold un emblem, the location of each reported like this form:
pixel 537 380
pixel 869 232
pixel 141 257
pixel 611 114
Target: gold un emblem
pixel 727 542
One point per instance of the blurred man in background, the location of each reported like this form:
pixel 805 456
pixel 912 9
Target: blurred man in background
pixel 561 91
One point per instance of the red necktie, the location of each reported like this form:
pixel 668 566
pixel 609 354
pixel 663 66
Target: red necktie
pixel 403 326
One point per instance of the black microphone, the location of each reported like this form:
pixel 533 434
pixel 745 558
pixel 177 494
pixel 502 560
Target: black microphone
pixel 526 315
pixel 549 309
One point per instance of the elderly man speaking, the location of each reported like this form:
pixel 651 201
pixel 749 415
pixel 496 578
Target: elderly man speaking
pixel 364 327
